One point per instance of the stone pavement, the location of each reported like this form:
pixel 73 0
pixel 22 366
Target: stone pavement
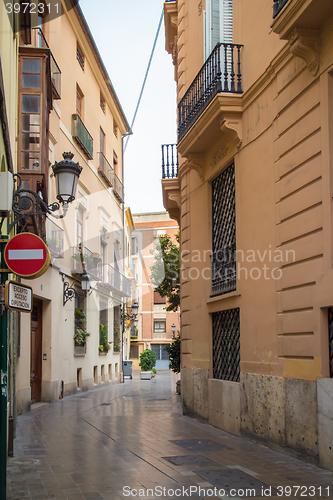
pixel 131 440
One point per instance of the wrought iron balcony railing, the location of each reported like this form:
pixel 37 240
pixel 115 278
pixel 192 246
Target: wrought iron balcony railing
pixel 54 239
pixel 224 270
pixel 104 169
pixel 169 161
pixel 216 75
pixel 278 6
pixel 86 260
pixel 82 136
pixel 117 185
pixel 38 40
pixel 116 280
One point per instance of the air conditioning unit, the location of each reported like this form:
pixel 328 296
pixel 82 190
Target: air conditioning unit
pixel 6 193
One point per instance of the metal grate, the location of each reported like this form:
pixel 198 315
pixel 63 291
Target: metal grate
pixel 226 345
pixel 224 233
pixel 330 339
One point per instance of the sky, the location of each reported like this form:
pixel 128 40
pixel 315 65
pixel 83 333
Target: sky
pixel 124 32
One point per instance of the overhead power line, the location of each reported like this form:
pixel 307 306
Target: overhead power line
pixel 146 75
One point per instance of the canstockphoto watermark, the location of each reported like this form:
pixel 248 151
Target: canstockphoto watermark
pixel 183 491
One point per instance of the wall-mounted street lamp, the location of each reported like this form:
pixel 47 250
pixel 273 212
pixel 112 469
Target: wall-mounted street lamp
pixel 133 316
pixel 70 292
pixel 173 328
pixel 27 202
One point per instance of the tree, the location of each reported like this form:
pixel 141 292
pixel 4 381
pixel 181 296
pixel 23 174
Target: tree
pixel 173 350
pixel 165 271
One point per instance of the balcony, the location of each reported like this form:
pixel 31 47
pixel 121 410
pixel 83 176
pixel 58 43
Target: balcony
pixel 300 21
pixel 84 259
pixel 118 187
pixel 82 136
pixel 216 76
pixel 116 281
pixel 169 161
pixel 38 40
pixel 277 6
pixel 104 169
pixel 55 239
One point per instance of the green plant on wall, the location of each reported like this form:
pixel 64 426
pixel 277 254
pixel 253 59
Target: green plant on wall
pixel 173 350
pixel 147 360
pixel 81 333
pixel 104 344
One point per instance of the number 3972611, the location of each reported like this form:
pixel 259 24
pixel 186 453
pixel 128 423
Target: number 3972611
pixel 32 8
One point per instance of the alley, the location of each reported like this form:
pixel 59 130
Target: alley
pixel 123 440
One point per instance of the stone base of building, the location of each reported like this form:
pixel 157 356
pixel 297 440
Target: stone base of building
pixel 23 401
pixel 290 414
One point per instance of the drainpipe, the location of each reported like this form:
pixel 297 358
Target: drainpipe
pixel 123 214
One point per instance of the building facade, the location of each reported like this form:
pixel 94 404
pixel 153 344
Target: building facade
pixel 67 104
pixel 253 197
pixel 155 323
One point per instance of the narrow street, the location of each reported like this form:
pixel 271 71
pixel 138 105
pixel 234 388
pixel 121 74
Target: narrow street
pixel 122 440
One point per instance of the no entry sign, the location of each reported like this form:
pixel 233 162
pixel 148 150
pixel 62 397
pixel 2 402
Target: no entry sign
pixel 27 255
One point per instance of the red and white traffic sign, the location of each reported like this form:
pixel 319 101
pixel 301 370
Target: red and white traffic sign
pixel 27 255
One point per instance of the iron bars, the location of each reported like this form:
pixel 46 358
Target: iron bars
pixel 169 161
pixel 226 345
pixel 216 75
pixel 224 232
pixel 330 339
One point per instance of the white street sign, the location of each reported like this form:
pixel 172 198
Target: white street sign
pixel 18 297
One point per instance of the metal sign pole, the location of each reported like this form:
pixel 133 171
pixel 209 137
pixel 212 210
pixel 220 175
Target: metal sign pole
pixel 3 374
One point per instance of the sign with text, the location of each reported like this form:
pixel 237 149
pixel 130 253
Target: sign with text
pixel 18 297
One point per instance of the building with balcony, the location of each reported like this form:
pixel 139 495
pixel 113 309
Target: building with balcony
pixel 253 198
pixel 67 103
pixel 155 323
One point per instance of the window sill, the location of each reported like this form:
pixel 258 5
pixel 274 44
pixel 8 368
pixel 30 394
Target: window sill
pixel 223 296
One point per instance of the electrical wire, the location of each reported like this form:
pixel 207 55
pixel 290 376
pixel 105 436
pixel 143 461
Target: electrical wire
pixel 146 75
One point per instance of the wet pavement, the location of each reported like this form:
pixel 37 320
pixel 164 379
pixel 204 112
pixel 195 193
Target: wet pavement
pixel 131 440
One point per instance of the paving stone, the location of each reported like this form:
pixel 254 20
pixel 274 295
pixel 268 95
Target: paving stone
pixel 200 445
pixel 190 460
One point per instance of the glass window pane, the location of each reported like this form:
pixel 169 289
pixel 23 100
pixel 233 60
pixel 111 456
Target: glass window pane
pixel 30 123
pixel 31 65
pixel 30 103
pixel 30 142
pixel 24 161
pixel 165 354
pixel 34 162
pixel 31 81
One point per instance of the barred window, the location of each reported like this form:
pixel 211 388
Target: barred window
pixel 224 233
pixel 80 56
pixel 226 345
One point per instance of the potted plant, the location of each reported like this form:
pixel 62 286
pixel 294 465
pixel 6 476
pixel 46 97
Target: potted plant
pixel 81 333
pixel 173 350
pixel 104 344
pixel 147 362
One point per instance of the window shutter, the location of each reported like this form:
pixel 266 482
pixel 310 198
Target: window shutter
pixel 226 21
pixel 218 24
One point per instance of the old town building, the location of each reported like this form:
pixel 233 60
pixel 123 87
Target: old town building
pixel 253 197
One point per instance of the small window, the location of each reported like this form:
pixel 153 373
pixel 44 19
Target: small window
pixel 134 352
pixel 79 102
pixel 115 163
pixel 102 103
pixel 159 326
pixel 80 56
pixel 115 129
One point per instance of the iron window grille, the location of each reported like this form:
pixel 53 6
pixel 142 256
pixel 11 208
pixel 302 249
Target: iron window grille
pixel 224 233
pixel 330 339
pixel 226 345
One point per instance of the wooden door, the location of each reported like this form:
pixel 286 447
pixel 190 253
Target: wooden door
pixel 36 352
